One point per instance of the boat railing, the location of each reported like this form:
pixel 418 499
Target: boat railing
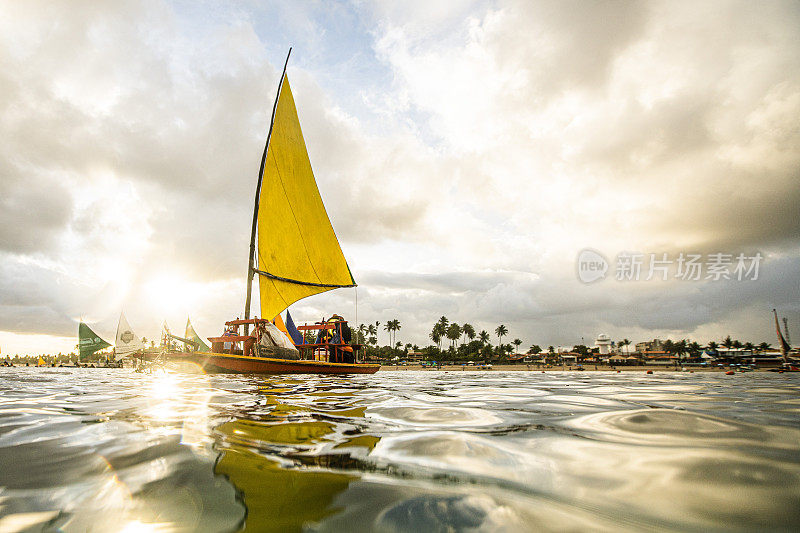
pixel 218 343
pixel 329 351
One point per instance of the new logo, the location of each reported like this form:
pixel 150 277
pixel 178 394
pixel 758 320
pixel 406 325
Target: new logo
pixel 592 266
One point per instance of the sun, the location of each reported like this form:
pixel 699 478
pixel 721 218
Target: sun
pixel 172 294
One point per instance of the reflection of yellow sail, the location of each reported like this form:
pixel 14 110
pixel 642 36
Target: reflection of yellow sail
pixel 277 498
pixel 296 241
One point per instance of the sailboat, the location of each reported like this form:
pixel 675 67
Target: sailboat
pixel 788 364
pixel 193 341
pixel 127 342
pixel 296 255
pixel 89 341
pixel 170 343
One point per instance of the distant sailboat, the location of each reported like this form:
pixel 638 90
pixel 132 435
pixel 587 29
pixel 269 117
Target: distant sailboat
pixel 789 364
pixel 191 342
pixel 89 341
pixel 296 255
pixel 127 342
pixel 784 346
pixel 192 335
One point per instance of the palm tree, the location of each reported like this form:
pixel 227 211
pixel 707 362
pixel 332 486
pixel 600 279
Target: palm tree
pixel 624 342
pixel 453 333
pixel 680 347
pixel 438 333
pixel 483 336
pixel 517 342
pixel 500 330
pixel 372 332
pixel 436 337
pixel 728 343
pixel 377 325
pixel 712 346
pixel 694 349
pixel 362 330
pixel 388 327
pixel 749 346
pixel 468 331
pixel 550 349
pixel 396 327
pixel 764 346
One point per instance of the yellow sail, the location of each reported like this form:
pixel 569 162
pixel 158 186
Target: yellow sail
pixel 296 241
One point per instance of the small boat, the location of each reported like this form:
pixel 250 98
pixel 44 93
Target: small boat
pixel 295 254
pixel 789 363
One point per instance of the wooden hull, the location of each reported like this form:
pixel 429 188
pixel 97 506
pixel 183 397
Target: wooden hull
pixel 220 363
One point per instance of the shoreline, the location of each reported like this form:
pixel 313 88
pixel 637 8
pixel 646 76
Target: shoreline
pixel 562 368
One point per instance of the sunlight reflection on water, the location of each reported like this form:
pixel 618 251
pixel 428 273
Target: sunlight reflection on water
pixel 113 450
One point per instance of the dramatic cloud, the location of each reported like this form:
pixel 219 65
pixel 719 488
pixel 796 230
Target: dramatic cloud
pixel 466 153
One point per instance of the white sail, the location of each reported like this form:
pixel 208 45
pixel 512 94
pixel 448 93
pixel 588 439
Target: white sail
pixel 127 342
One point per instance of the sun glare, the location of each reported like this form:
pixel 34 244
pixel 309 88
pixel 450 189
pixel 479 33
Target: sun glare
pixel 171 294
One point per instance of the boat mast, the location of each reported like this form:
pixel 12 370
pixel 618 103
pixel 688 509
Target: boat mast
pixel 784 345
pixel 251 260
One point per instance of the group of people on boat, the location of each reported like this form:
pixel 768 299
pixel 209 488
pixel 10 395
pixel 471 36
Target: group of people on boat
pixel 268 340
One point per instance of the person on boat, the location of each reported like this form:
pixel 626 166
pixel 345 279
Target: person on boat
pixel 230 331
pixel 341 329
pixel 322 334
pixel 341 351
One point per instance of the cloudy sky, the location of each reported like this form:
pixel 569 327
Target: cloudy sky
pixel 466 152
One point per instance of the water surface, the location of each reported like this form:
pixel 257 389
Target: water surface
pixel 115 450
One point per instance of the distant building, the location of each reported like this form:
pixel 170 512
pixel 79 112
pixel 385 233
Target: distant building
pixel 568 358
pixel 415 356
pixel 658 357
pixel 655 345
pixel 603 344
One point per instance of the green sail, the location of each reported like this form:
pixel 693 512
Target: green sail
pixel 88 341
pixel 192 335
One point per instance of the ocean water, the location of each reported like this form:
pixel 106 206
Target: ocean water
pixel 115 450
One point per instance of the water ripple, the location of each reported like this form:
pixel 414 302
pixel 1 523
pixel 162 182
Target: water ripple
pixel 108 450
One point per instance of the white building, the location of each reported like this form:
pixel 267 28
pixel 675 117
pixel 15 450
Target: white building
pixel 603 342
